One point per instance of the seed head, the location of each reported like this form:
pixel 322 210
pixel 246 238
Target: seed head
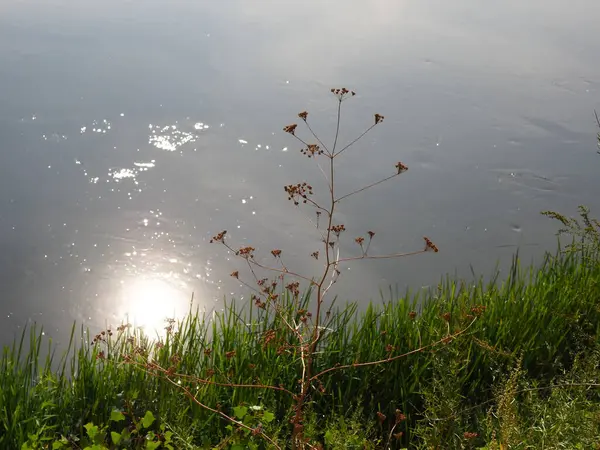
pixel 401 167
pixel 303 115
pixel 312 150
pixel 219 237
pixel 337 229
pixel 342 93
pixel 290 129
pixel 378 118
pixel 298 192
pixel 399 416
pixel 430 245
pixel 293 287
pixel 359 240
pixel 246 252
pixel 315 255
pixel 235 274
pixel 276 253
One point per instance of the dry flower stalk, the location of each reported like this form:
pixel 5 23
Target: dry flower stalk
pixel 308 325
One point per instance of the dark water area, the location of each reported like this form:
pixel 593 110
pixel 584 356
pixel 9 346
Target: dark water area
pixel 132 132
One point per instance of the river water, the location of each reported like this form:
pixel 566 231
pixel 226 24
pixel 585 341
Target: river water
pixel 133 131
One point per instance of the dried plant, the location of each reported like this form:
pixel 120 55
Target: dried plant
pixel 307 325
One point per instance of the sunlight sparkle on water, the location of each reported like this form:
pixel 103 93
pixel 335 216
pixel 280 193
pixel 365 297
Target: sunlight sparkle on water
pixel 148 301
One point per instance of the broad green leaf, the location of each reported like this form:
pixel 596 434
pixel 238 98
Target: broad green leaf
pixel 92 430
pixel 268 417
pixel 116 437
pixel 148 419
pixel 116 416
pixel 240 412
pixel 152 445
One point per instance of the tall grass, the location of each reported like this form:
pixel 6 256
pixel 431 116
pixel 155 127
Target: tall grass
pixel 540 316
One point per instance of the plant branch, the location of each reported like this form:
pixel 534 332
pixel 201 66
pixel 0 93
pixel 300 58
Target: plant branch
pixel 444 340
pixel 392 255
pixel 366 187
pixel 354 141
pixel 254 431
pixel 316 137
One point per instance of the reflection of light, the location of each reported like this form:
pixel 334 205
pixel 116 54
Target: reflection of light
pixel 148 302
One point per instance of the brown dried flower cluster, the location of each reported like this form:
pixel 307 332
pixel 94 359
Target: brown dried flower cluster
pixel 338 229
pixel 469 435
pixel 401 167
pixel 430 245
pixel 294 288
pixel 378 118
pixel 359 240
pixel 303 115
pixel 290 128
pixel 258 302
pixel 298 191
pixel 478 310
pixel 276 253
pixel 342 93
pixel 101 337
pixel 246 252
pixel 399 416
pixel 219 237
pixel 312 150
pixel 315 255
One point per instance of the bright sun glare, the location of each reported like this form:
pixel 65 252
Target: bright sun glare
pixel 148 302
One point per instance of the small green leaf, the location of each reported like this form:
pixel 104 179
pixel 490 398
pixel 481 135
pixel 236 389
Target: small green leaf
pixel 268 417
pixel 92 430
pixel 148 419
pixel 152 445
pixel 116 437
pixel 240 412
pixel 116 416
pixel 328 437
pixel 125 434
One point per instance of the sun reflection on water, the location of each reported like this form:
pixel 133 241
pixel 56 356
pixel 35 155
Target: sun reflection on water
pixel 148 301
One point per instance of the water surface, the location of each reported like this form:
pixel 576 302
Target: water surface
pixel 132 132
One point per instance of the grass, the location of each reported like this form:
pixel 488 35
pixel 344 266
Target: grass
pixel 527 339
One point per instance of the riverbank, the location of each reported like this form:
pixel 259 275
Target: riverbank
pixel 511 364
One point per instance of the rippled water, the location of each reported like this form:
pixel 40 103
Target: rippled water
pixel 131 132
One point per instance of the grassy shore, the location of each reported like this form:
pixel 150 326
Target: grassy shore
pixel 523 374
